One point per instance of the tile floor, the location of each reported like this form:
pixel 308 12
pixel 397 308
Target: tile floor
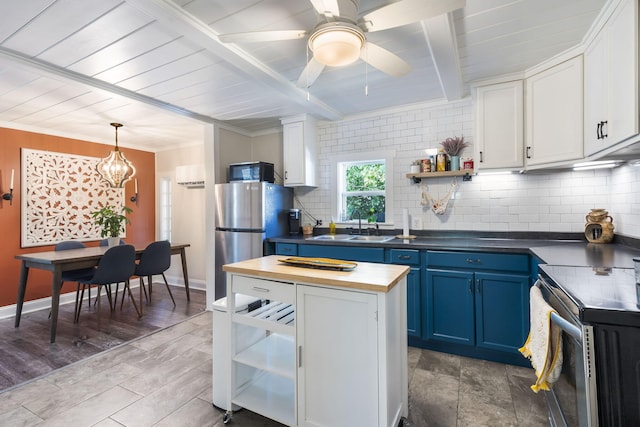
pixel 164 379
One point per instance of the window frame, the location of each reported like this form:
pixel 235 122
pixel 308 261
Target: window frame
pixel 339 183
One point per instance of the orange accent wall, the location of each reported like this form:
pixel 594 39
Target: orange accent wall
pixel 140 232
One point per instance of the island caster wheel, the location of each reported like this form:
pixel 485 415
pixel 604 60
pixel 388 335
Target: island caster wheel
pixel 227 417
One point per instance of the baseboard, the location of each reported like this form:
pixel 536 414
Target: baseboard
pixel 70 297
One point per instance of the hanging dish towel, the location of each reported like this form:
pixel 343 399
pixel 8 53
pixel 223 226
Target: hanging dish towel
pixel 544 343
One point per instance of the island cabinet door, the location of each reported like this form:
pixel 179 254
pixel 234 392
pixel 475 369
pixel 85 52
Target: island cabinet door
pixel 502 311
pixel 337 357
pixel 449 306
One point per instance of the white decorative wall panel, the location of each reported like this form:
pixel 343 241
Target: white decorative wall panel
pixel 58 193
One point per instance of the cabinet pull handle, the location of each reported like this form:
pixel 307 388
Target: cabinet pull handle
pixel 598 128
pixel 481 159
pixel 404 256
pixel 286 174
pixel 479 286
pixel 602 130
pixel 256 288
pixel 470 286
pixel 528 152
pixel 473 261
pixel 299 356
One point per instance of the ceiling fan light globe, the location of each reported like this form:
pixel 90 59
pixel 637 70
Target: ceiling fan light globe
pixel 336 47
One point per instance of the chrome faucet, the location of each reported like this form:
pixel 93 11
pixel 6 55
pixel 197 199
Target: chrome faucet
pixel 359 220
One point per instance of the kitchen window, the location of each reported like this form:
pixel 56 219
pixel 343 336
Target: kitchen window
pixel 363 187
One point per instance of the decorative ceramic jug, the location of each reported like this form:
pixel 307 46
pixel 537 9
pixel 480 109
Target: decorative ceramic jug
pixel 599 227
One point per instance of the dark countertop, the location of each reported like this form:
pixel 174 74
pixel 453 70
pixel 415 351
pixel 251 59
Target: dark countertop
pixel 550 251
pixel 603 295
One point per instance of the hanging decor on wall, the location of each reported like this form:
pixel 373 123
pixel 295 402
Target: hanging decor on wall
pixel 58 193
pixel 438 206
pixel 115 168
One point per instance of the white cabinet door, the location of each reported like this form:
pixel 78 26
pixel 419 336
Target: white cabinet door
pixel 611 81
pixel 299 151
pixel 554 114
pixel 595 94
pixel 337 357
pixel 499 126
pixel 622 31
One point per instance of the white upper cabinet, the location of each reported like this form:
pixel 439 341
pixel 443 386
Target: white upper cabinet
pixel 611 81
pixel 299 151
pixel 554 115
pixel 499 126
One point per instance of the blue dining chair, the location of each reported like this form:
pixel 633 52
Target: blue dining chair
pixel 117 265
pixel 155 259
pixel 74 275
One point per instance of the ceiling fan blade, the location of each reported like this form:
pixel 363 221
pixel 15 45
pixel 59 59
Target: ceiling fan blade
pixel 310 73
pixel 384 60
pixel 407 12
pixel 262 36
pixel 326 7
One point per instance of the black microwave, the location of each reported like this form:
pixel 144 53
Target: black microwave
pixel 251 171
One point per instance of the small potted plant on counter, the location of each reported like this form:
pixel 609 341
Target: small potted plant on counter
pixel 453 147
pixel 111 222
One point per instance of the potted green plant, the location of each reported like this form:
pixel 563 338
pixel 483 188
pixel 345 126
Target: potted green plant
pixel 112 222
pixel 453 147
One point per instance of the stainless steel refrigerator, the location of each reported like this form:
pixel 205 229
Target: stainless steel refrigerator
pixel 246 214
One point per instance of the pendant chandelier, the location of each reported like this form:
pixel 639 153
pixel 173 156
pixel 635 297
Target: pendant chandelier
pixel 115 168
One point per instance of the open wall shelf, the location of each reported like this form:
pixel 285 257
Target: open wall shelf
pixel 465 174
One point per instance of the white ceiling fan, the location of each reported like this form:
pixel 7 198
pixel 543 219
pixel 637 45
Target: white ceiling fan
pixel 339 37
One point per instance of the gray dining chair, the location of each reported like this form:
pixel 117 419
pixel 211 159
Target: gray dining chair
pixel 155 260
pixel 117 265
pixel 74 275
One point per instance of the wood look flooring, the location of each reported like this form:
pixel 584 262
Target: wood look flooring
pixel 26 353
pixel 165 379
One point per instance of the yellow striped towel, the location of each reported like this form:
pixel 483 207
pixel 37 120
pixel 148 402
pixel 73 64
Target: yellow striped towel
pixel 544 343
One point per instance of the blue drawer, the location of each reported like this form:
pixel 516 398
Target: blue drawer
pixel 348 253
pixel 478 261
pixel 404 256
pixel 287 249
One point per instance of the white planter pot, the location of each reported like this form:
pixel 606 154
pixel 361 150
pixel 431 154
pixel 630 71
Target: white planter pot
pixel 113 241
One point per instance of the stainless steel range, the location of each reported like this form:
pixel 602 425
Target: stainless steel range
pixel 599 313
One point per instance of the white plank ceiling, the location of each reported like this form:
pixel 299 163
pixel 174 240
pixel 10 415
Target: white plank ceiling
pixel 70 67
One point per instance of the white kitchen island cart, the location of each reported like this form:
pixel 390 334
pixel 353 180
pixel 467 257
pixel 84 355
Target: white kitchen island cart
pixel 334 345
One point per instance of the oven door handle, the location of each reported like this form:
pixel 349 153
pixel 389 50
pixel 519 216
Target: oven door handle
pixel 566 326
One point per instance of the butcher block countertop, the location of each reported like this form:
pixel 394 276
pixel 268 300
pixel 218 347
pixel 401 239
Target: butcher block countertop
pixel 366 276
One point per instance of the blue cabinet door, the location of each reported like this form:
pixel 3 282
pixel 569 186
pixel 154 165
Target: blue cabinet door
pixel 449 306
pixel 413 303
pixel 502 308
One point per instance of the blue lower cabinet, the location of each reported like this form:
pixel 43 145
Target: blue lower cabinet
pixel 348 253
pixel 414 319
pixel 501 301
pixel 448 314
pixel 488 312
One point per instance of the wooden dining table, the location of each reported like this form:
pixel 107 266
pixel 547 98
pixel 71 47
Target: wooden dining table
pixel 58 261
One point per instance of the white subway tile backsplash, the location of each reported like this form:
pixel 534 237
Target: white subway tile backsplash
pixel 556 201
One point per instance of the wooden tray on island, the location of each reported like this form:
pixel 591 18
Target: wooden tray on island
pixel 325 263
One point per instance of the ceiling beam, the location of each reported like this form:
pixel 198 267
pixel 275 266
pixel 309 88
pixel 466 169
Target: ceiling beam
pixel 174 16
pixel 441 38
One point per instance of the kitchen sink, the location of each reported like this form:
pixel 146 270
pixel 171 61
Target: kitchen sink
pixel 352 238
pixel 372 239
pixel 332 237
